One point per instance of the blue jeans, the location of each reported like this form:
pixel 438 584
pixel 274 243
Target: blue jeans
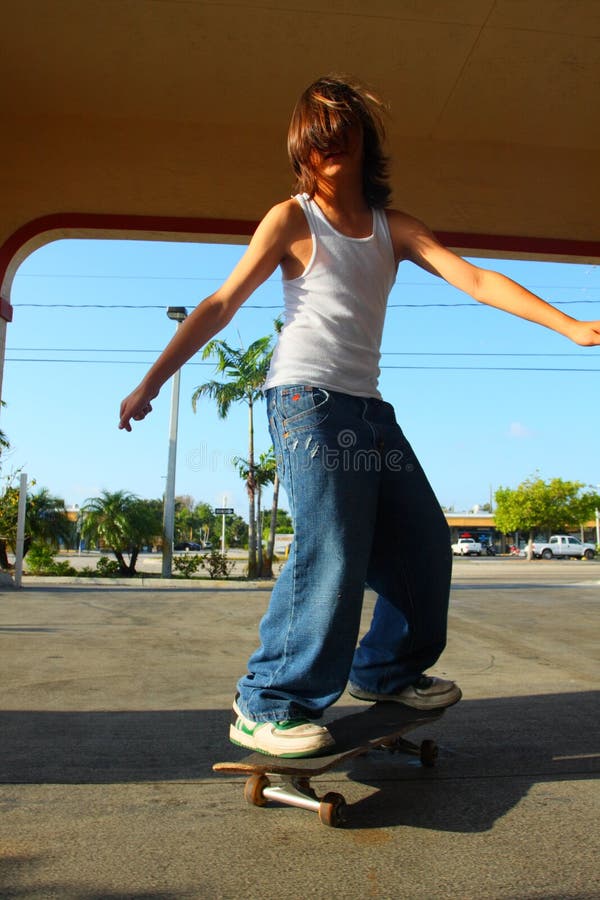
pixel 364 514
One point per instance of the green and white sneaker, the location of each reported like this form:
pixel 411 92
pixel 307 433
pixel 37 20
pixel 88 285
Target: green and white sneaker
pixel 291 738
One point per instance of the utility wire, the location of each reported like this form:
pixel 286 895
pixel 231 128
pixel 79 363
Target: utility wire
pixel 133 362
pixel 278 306
pixel 384 352
pixel 220 278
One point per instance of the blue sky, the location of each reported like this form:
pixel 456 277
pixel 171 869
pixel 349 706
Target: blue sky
pixel 486 399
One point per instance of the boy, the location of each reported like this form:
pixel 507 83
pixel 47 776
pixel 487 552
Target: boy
pixel 356 491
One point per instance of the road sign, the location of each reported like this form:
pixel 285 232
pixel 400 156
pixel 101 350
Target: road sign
pixel 223 511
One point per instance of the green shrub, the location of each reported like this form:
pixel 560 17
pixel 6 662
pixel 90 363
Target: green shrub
pixel 107 567
pixel 63 567
pixel 217 565
pixel 40 561
pixel 187 565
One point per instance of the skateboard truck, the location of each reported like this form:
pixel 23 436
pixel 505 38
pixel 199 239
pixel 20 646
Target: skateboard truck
pixel 296 791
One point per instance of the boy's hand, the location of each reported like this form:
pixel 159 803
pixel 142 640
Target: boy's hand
pixel 586 334
pixel 136 406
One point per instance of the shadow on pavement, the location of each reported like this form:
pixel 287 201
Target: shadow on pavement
pixel 111 747
pixel 492 752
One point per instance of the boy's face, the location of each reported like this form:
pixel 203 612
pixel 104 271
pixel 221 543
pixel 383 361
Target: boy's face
pixel 342 155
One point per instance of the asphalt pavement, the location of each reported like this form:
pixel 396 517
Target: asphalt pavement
pixel 115 701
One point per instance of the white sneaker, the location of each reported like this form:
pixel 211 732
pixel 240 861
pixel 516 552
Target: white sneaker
pixel 426 693
pixel 290 738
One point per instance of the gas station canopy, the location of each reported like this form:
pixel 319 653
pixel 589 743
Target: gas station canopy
pixel 168 118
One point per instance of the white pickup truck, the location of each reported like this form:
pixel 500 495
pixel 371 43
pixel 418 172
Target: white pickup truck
pixel 466 547
pixel 563 545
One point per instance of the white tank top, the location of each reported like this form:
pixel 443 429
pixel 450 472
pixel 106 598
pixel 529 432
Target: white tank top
pixel 335 310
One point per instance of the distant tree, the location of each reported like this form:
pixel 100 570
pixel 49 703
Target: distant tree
pixel 544 506
pixel 236 531
pixel 194 521
pixel 9 501
pixel 245 372
pixel 46 519
pixel 122 522
pixel 184 521
pixel 284 522
pixel 269 464
pixel 265 472
pixel 4 442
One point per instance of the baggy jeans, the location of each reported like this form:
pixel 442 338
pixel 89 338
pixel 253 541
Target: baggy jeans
pixel 364 515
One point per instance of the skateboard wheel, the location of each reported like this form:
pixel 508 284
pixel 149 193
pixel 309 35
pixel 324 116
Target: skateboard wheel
pixel 428 753
pixel 332 809
pixel 253 790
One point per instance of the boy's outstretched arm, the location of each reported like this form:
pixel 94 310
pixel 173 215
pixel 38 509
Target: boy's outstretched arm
pixel 413 240
pixel 265 251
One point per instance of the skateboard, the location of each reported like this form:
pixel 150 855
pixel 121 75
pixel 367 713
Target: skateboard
pixel 381 726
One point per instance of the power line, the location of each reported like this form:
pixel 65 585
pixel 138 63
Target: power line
pixel 117 362
pixel 278 306
pixel 492 369
pixel 384 353
pixel 93 276
pixel 221 278
pixel 470 353
pixel 100 362
pixel 90 305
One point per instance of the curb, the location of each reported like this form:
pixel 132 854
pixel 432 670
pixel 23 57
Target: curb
pixel 139 582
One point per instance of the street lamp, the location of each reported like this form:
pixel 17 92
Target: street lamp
pixel 178 314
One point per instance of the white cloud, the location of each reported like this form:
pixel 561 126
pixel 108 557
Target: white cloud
pixel 518 430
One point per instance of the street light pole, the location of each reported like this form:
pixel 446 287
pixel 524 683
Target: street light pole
pixel 178 314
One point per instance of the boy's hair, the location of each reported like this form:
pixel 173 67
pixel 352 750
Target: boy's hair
pixel 323 112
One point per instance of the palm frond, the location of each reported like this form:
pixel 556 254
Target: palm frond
pixel 223 393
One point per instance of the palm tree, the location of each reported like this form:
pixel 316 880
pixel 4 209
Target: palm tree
pixel 121 521
pixel 270 466
pixel 245 371
pixel 265 472
pixel 46 519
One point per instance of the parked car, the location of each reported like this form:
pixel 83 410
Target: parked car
pixel 466 547
pixel 188 545
pixel 563 545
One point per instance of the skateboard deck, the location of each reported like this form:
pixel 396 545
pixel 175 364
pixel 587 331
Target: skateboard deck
pixel 381 725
